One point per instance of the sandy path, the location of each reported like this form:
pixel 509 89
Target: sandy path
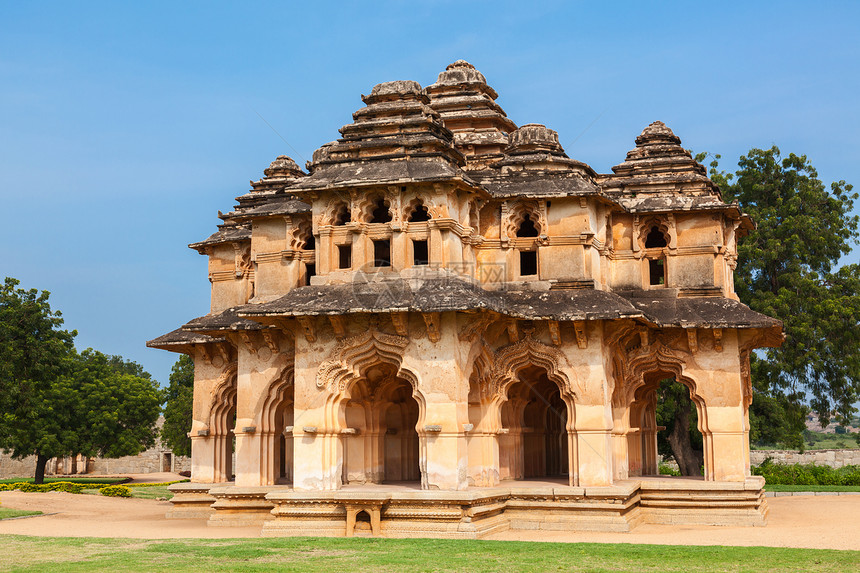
pixel 825 522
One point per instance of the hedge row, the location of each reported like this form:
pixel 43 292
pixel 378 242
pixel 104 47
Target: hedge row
pixel 156 483
pixel 65 486
pixel 70 487
pixel 807 474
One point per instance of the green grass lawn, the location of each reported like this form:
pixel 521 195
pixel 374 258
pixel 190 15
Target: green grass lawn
pixel 778 487
pixel 152 492
pixel 389 555
pixel 72 480
pixel 6 513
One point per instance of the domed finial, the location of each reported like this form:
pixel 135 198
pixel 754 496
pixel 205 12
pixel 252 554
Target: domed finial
pixel 461 72
pixel 534 137
pixel 657 134
pixel 283 166
pixel 460 64
pixel 396 90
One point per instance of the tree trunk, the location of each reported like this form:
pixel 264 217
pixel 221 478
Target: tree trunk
pixel 41 462
pixel 679 439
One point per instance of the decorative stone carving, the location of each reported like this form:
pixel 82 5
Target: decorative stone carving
pixel 357 352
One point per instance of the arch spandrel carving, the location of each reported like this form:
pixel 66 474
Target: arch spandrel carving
pixel 654 357
pixel 356 353
pixel 510 359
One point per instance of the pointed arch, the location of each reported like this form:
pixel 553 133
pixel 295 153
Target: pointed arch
pixel 514 357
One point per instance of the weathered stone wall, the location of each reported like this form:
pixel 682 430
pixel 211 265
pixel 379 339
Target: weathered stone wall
pixel 150 461
pixel 832 458
pixel 16 468
pixel 156 459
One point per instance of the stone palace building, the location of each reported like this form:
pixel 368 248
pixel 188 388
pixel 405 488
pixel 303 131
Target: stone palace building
pixel 446 326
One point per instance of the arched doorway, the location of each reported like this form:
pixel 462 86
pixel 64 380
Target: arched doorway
pixel 276 432
pixel 222 423
pixel 534 441
pixel 380 440
pixel 666 410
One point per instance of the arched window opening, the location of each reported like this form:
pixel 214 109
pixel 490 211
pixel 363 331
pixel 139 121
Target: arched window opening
pixel 342 215
pixel 527 227
pixel 310 243
pixel 380 212
pixel 419 214
pixel 655 239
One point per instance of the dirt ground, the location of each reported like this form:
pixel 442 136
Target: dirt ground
pixel 823 522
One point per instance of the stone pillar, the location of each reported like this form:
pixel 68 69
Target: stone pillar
pixel 444 388
pixel 593 447
pixel 445 463
pixel 202 459
pixel 719 384
pixel 622 449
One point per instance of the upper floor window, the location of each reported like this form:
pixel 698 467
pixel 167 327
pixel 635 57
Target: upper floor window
pixel 382 253
pixel 655 238
pixel 527 227
pixel 419 213
pixel 344 256
pixel 657 271
pixel 380 211
pixel 342 215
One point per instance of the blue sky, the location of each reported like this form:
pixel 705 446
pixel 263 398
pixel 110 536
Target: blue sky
pixel 125 127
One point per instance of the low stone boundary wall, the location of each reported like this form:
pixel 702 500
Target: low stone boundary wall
pixel 832 458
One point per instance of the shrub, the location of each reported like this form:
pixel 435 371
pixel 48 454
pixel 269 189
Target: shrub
pixel 668 471
pixel 66 486
pixel 115 491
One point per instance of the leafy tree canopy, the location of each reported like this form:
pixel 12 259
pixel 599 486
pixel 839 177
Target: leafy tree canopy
pixel 179 399
pixel 788 269
pixel 57 402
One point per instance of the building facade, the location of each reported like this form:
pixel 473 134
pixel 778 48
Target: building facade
pixel 447 305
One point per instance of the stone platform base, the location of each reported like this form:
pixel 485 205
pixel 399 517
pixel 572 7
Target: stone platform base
pixel 191 500
pixel 384 511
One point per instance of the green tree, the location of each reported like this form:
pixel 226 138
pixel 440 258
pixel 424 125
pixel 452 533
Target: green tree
pixel 788 268
pixel 179 400
pixel 56 402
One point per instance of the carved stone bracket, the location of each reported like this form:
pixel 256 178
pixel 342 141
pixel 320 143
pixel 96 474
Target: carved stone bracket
pixel 307 324
pixel 337 325
pixel 718 339
pixel 475 327
pixel 246 339
pixel 432 320
pixel 513 330
pixel 579 327
pixel 554 332
pixel 269 337
pixel 693 339
pixel 400 320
